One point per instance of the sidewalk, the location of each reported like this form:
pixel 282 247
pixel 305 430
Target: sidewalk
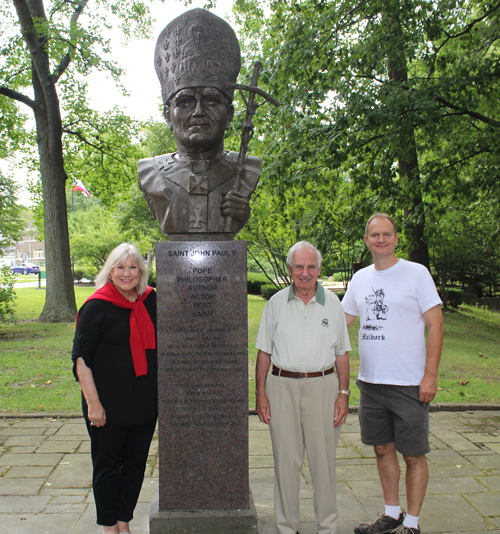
pixel 46 478
pixel 21 285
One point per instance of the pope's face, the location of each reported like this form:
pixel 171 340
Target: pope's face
pixel 199 117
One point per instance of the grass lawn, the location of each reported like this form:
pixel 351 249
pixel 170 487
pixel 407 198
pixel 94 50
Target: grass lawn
pixel 35 364
pixel 35 359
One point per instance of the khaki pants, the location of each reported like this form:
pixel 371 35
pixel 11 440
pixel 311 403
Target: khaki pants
pixel 302 413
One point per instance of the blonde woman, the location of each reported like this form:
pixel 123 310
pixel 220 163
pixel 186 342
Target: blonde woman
pixel 114 361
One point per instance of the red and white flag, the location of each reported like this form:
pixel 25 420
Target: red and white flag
pixel 78 186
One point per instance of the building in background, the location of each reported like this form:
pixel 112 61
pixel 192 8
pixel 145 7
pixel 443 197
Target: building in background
pixel 28 250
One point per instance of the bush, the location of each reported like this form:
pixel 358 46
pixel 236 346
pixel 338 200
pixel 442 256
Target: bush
pixel 152 279
pixel 7 295
pixel 78 274
pixel 255 281
pixel 340 294
pixel 268 290
pixel 337 277
pixel 455 297
pixel 85 270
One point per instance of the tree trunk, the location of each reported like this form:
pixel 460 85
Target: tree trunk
pixel 418 250
pixel 409 172
pixel 60 304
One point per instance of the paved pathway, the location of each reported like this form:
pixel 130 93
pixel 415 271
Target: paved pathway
pixel 20 284
pixel 46 472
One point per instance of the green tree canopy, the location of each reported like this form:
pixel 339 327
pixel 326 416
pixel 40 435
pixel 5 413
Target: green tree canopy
pixel 11 222
pixel 49 49
pixel 94 233
pixel 390 105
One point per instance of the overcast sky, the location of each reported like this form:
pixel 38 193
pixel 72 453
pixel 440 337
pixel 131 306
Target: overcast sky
pixel 138 61
pixel 140 79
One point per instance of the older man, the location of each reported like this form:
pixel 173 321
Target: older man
pixel 303 334
pixel 395 300
pixel 201 192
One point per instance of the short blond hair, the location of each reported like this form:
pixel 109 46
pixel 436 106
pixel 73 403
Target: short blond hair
pixel 119 255
pixel 380 215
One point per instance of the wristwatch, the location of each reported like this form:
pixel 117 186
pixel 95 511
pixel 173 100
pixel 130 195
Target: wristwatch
pixel 345 392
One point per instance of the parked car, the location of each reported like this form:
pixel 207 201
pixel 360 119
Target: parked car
pixel 25 268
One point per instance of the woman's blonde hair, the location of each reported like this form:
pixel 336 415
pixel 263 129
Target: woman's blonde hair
pixel 119 255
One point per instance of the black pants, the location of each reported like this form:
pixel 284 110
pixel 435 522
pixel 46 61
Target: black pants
pixel 119 456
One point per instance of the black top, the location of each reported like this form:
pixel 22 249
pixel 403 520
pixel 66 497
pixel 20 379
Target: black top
pixel 102 339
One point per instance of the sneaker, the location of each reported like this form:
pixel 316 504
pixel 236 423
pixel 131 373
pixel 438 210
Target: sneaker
pixel 385 523
pixel 403 529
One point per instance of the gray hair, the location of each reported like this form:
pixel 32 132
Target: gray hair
pixel 119 255
pixel 299 245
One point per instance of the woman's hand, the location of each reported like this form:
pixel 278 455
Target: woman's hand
pixel 96 414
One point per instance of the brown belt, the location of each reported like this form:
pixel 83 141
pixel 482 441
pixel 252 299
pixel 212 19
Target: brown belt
pixel 294 374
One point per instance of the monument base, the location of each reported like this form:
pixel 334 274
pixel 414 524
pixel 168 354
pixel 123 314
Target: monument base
pixel 203 521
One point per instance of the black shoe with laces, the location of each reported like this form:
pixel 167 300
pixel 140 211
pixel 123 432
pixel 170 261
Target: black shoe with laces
pixel 381 525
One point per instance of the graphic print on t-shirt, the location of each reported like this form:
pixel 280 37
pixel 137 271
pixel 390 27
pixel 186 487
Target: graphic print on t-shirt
pixel 376 309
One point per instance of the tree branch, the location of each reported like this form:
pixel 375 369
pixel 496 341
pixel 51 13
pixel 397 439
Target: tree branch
pixel 471 24
pixel 464 111
pixel 366 141
pixel 466 30
pixel 261 267
pixel 66 60
pixel 10 93
pixel 89 143
pixel 26 12
pixel 368 77
pixel 455 163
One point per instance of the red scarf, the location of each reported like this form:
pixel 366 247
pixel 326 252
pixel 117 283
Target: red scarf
pixel 142 330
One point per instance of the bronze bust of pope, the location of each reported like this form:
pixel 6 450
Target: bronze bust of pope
pixel 191 192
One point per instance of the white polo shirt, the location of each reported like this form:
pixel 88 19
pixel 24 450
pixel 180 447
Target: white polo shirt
pixel 303 337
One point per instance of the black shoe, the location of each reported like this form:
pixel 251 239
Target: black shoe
pixel 383 524
pixel 403 529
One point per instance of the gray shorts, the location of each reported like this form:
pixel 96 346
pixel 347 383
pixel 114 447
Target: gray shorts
pixel 390 413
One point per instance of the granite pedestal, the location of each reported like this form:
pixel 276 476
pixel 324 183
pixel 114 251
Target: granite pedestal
pixel 203 521
pixel 203 389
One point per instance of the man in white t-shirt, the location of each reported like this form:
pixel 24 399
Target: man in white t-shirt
pixel 303 334
pixel 395 301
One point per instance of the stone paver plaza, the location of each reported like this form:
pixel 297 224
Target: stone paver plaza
pixel 45 485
